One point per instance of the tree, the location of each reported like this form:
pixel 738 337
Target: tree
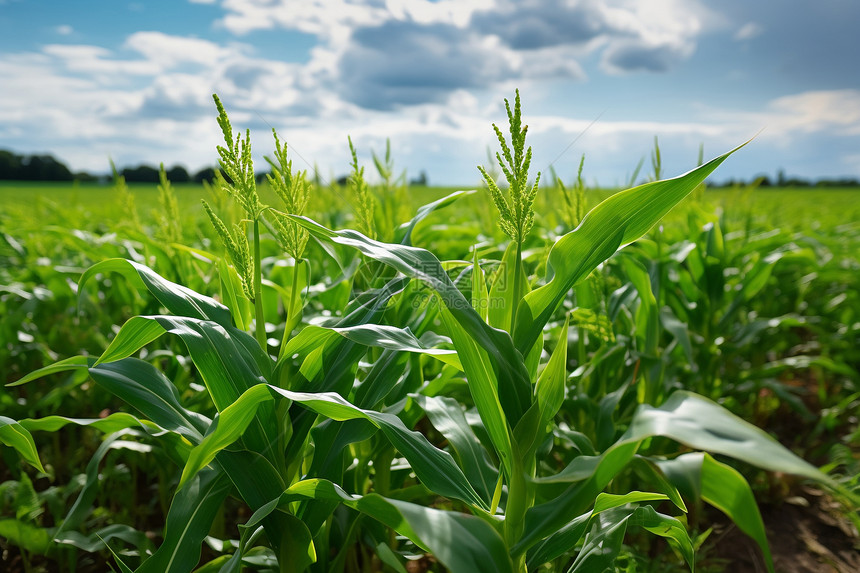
pixel 44 168
pixel 140 174
pixel 178 174
pixel 10 165
pixel 206 174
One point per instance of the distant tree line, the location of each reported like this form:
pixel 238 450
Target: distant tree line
pixel 782 181
pixel 15 167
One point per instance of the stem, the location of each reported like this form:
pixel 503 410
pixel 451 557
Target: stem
pixel 520 498
pixel 293 290
pixel 258 290
pixel 518 269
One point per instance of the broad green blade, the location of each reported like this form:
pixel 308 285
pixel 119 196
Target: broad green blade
pixel 700 476
pixel 704 425
pixel 448 418
pixel 229 361
pixel 687 418
pixel 462 543
pixel 514 386
pixel 501 302
pixel 569 535
pixel 406 229
pixel 479 371
pixel 112 423
pixel 136 333
pixel 480 297
pixel 603 542
pixel 16 436
pixel 232 295
pixel 394 338
pixel 27 536
pixel 434 467
pixel 97 540
pixel 180 300
pixel 617 221
pixel 257 482
pixel 86 498
pixel 549 390
pixel 66 365
pixel 191 514
pixel 146 389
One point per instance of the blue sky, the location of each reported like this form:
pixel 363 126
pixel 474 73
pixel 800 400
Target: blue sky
pixel 97 79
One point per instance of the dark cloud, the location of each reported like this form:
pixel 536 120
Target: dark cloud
pixel 639 57
pixel 533 25
pixel 246 75
pixel 404 63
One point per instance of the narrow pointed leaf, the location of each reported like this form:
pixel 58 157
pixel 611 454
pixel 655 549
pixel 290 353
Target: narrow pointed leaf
pixel 16 436
pixel 617 221
pixel 462 543
pixel 191 514
pixel 178 299
pixel 700 476
pixel 434 467
pixel 514 386
pixel 394 338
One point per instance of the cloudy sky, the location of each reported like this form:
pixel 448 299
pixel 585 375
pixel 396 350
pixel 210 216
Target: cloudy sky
pixel 94 79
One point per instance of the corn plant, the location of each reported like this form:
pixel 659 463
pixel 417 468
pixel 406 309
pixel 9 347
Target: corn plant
pixel 321 444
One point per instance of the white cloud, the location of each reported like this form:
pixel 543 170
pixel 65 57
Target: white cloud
pixel 64 30
pixel 835 112
pixel 748 31
pixel 168 51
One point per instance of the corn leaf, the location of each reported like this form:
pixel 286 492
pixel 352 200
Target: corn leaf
pixel 617 221
pixel 176 298
pixel 700 476
pixel 448 418
pixel 16 436
pixel 394 338
pixel 188 522
pixel 434 467
pixel 462 543
pixel 514 386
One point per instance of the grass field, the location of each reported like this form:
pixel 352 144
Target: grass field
pixel 472 391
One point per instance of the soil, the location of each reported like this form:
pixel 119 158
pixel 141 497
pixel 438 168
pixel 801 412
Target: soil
pixel 808 533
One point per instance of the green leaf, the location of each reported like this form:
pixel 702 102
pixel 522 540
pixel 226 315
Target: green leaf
pixel 501 303
pixel 603 542
pixel 567 537
pixel 98 540
pixel 514 386
pixel 462 543
pixel 702 424
pixel 480 297
pixel 687 418
pixel 448 418
pixel 191 514
pixel 394 338
pixel 146 389
pixel 86 498
pixel 33 539
pixel 620 219
pixel 176 298
pixel 136 333
pixel 549 390
pixel 405 230
pixel 434 467
pixel 108 425
pixel 73 363
pixel 234 298
pixel 699 476
pixel 229 361
pixel 16 436
pixel 479 371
